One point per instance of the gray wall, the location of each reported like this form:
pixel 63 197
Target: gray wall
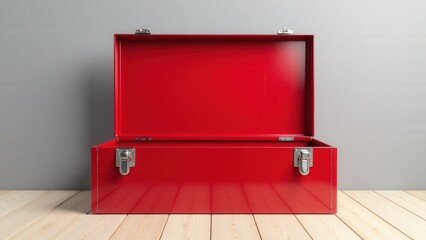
pixel 56 75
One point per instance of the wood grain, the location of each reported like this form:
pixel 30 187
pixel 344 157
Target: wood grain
pixel 5 192
pixel 57 221
pixel 23 216
pixel 96 227
pixel 141 226
pixel 321 226
pixel 234 226
pixel 280 226
pixel 365 223
pixel 410 224
pixel 418 193
pixel 412 203
pixel 187 226
pixel 15 199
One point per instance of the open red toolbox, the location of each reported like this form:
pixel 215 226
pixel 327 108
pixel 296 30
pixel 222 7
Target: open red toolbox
pixel 214 124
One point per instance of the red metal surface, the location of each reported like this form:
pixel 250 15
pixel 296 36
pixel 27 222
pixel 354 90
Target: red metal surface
pixel 214 177
pixel 213 87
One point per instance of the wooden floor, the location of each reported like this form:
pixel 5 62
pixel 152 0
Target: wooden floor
pixel 65 215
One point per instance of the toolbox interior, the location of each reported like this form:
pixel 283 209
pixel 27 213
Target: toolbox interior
pixel 225 86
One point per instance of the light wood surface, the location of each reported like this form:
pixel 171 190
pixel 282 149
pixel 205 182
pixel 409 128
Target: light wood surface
pixel 280 226
pixel 141 226
pixel 234 226
pixel 65 215
pixel 322 226
pixel 57 221
pixel 22 217
pixel 94 227
pixel 413 204
pixel 15 199
pixel 419 194
pixel 364 222
pixel 410 224
pixel 4 192
pixel 187 226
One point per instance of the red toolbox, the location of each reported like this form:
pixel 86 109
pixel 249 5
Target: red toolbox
pixel 214 124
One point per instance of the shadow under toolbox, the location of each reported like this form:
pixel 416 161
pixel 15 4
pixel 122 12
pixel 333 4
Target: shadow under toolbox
pixel 214 124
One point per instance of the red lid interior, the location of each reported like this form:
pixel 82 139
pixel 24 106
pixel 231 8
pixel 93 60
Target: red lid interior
pixel 216 87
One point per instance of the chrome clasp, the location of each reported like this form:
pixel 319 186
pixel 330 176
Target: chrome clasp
pixel 125 159
pixel 303 159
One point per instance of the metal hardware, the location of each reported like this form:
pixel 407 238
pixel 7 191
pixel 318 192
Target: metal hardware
pixel 285 139
pixel 143 138
pixel 142 31
pixel 303 159
pixel 285 31
pixel 125 159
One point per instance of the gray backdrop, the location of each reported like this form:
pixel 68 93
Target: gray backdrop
pixel 56 80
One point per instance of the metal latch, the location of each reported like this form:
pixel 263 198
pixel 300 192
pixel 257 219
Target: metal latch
pixel 285 31
pixel 125 159
pixel 142 31
pixel 303 159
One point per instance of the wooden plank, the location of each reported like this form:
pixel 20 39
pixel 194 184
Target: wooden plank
pixel 280 226
pixel 187 226
pixel 320 226
pixel 365 223
pixel 410 224
pixel 5 192
pixel 418 193
pixel 21 217
pixel 94 227
pixel 234 226
pixel 412 203
pixel 57 221
pixel 15 199
pixel 141 226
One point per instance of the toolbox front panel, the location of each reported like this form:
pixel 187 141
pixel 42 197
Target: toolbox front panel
pixel 213 178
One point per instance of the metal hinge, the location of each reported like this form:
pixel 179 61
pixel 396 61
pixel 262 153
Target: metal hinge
pixel 142 31
pixel 285 139
pixel 125 159
pixel 285 31
pixel 303 159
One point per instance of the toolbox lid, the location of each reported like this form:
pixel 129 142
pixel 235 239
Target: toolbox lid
pixel 213 87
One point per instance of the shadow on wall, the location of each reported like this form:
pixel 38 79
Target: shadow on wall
pixel 99 78
pixel 96 88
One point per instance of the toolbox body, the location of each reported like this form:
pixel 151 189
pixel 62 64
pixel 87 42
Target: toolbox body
pixel 213 124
